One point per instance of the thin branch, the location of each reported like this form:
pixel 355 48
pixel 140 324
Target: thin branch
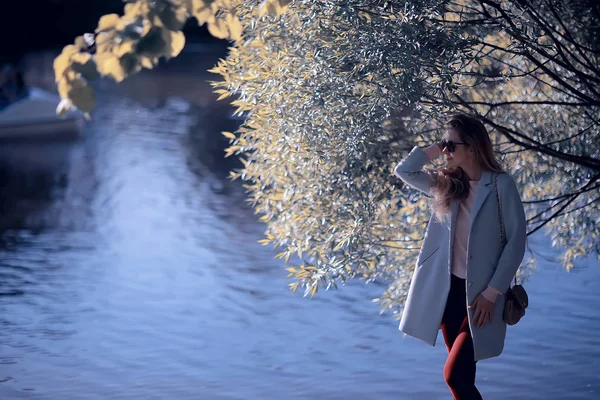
pixel 512 135
pixel 526 53
pixel 572 136
pixel 561 49
pixel 562 196
pixel 506 103
pixel 593 179
pixel 597 199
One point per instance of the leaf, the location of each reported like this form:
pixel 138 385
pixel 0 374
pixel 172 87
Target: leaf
pixel 152 45
pixel 218 29
pixel 204 11
pixel 223 95
pixel 234 25
pixel 293 286
pixel 64 87
pixel 110 65
pixel 105 41
pixel 84 64
pixel 60 64
pixel 228 135
pixel 126 46
pixel 148 62
pixel 177 43
pixel 130 63
pixel 133 10
pixel 82 95
pixel 173 17
pixel 269 7
pixel 107 22
pixel 81 43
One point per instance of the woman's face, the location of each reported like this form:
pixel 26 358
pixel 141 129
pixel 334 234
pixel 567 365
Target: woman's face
pixel 461 156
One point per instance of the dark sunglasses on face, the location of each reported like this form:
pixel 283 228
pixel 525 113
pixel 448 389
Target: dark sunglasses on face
pixel 451 145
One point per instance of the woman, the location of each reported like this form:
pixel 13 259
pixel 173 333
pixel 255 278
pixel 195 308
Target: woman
pixel 462 271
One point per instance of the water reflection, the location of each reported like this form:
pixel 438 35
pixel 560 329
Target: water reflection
pixel 133 272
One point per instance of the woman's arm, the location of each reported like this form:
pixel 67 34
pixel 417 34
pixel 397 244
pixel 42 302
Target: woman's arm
pixel 410 168
pixel 515 229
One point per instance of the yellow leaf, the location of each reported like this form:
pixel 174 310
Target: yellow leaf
pixel 218 29
pixel 177 43
pixel 230 150
pixel 222 96
pixel 234 25
pixel 107 22
pixel 216 70
pixel 228 135
pixel 123 48
pixel 80 43
pixel 132 10
pixel 293 286
pixel 109 65
pixel 269 7
pixel 61 63
pixel 105 41
pixel 147 62
pixel 204 11
pixel 64 87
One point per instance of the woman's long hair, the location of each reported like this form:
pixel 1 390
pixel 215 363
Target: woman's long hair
pixel 453 183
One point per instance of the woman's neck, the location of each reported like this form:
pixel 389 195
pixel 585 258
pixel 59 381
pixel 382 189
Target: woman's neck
pixel 473 172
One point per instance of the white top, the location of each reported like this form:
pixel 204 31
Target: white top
pixel 461 233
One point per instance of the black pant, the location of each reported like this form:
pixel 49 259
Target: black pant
pixel 459 370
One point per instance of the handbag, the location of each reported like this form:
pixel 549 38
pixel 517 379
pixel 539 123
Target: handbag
pixel 516 297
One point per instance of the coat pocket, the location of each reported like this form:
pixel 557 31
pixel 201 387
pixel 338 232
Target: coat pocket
pixel 428 256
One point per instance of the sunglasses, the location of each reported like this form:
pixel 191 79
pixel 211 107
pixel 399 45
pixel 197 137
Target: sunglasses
pixel 451 145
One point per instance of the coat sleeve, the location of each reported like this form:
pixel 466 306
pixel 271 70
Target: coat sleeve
pixel 410 170
pixel 515 230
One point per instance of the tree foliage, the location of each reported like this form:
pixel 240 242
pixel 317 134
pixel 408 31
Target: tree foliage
pixel 147 31
pixel 336 93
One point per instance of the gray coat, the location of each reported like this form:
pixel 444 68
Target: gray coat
pixel 487 263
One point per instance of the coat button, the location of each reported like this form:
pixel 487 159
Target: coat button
pixel 470 283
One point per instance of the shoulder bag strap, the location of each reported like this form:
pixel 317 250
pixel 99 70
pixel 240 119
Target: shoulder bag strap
pixel 500 215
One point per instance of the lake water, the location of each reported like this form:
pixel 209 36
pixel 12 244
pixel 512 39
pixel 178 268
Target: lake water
pixel 130 269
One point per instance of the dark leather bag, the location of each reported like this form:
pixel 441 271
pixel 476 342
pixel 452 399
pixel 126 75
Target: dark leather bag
pixel 516 297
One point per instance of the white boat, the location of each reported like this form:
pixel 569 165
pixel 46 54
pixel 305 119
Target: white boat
pixel 34 118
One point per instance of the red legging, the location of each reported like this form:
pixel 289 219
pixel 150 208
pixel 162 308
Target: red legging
pixel 459 370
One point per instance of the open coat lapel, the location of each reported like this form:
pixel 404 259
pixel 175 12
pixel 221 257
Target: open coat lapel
pixel 485 188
